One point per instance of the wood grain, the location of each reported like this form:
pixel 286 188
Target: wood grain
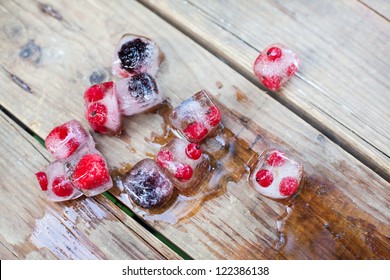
pixel 342 83
pixel 382 7
pixel 343 208
pixel 33 228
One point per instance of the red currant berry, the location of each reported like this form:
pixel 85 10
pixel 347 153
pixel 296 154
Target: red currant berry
pixel 264 178
pixel 274 53
pixel 288 186
pixel 213 116
pixel 196 131
pixel 272 82
pixel 42 180
pixel 193 151
pixel 277 158
pixel 164 157
pixel 61 187
pixel 183 172
pixel 291 69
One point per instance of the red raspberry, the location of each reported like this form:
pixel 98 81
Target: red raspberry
pixel 196 131
pixel 276 158
pixel 288 186
pixel 291 69
pixel 42 180
pixel 193 151
pixel 274 53
pixel 94 93
pixel 164 157
pixel 264 178
pixel 273 82
pixel 97 114
pixel 183 172
pixel 61 187
pixel 57 135
pixel 90 172
pixel 213 116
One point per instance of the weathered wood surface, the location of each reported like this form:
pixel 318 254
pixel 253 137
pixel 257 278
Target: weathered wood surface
pixel 382 7
pixel 343 84
pixel 342 210
pixel 33 228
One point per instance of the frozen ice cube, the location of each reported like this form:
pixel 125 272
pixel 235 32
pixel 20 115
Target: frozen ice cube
pixel 185 163
pixel 148 185
pixel 275 66
pixel 138 94
pixel 55 183
pixel 136 54
pixel 102 109
pixel 65 139
pixel 196 117
pixel 276 175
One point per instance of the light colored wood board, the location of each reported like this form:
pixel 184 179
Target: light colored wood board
pixel 240 223
pixel 34 228
pixel 344 79
pixel 382 7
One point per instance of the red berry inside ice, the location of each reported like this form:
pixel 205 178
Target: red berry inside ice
pixel 97 92
pixel 97 116
pixel 183 172
pixel 61 187
pixel 272 82
pixel 264 178
pixel 291 70
pixel 42 180
pixel 288 186
pixel 196 131
pixel 213 116
pixel 164 157
pixel 274 53
pixel 193 151
pixel 90 172
pixel 276 159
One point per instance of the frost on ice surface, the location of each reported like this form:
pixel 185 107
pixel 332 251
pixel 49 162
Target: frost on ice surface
pixel 138 94
pixel 276 175
pixel 136 54
pixel 275 66
pixel 185 163
pixel 147 184
pixel 196 117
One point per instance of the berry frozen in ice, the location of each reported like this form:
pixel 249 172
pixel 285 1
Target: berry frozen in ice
pixel 275 66
pixel 136 54
pixel 148 185
pixel 276 175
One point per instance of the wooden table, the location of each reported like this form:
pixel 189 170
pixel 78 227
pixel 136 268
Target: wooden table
pixel 333 117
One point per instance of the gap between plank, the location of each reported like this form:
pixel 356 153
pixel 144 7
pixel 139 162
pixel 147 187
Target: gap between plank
pixel 373 10
pixel 109 196
pixel 332 136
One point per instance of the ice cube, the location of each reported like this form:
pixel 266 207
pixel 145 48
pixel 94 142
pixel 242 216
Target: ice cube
pixel 275 66
pixel 185 163
pixel 89 172
pixel 148 185
pixel 196 117
pixel 55 183
pixel 136 54
pixel 276 175
pixel 138 94
pixel 102 109
pixel 64 140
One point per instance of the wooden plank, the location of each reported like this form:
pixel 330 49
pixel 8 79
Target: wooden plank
pixel 382 7
pixel 342 211
pixel 342 84
pixel 33 228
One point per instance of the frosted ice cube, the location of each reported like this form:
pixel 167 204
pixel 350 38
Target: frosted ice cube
pixel 64 140
pixel 276 175
pixel 148 185
pixel 55 183
pixel 185 163
pixel 136 54
pixel 102 109
pixel 275 66
pixel 138 94
pixel 196 117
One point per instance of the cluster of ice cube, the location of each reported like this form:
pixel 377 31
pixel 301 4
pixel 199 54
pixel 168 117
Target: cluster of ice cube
pixel 275 66
pixel 136 59
pixel 182 163
pixel 79 168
